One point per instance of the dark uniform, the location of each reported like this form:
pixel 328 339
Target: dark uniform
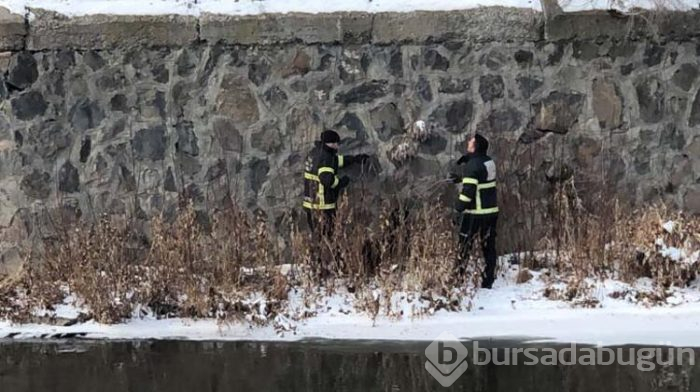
pixel 479 206
pixel 322 185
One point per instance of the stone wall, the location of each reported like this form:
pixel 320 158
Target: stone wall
pixel 124 114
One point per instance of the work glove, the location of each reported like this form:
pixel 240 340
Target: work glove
pixel 455 178
pixel 344 182
pixel 463 159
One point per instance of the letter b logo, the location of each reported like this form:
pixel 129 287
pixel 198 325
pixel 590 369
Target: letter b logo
pixel 446 359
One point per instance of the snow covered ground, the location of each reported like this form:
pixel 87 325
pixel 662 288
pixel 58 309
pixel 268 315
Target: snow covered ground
pixel 510 310
pixel 255 7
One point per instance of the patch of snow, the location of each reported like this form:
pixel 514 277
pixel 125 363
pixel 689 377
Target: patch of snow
pixel 673 253
pixel 508 310
pixel 257 7
pixel 669 226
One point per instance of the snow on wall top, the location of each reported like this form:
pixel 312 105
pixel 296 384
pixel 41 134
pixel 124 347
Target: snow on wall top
pixel 256 7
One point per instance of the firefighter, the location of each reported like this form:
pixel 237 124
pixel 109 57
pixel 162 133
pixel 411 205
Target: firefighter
pixel 322 183
pixel 478 207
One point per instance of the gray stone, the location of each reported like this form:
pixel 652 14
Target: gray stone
pixel 434 145
pixel 29 105
pixel 365 92
pixel 499 121
pixel 454 85
pixel 236 100
pixel 300 65
pixel 482 24
pixel 116 128
pixel 622 49
pixel 587 151
pixel 681 172
pixel 12 30
pixel 423 89
pixel 187 165
pixel 299 86
pixel 453 117
pixel 558 112
pixel 3 90
pixel 85 115
pixel 192 192
pixel 691 200
pixel 396 62
pixel 127 181
pixel 259 71
pixel 341 27
pixel 650 96
pixel 169 183
pixel 227 134
pixel 119 103
pixel 607 104
pixel 685 76
pixel 421 167
pixel 357 135
pixel 491 87
pixel 187 141
pixel 585 50
pixel 258 170
pixel 523 57
pixel 435 61
pixel 110 81
pixel 36 185
pixel 185 64
pixel 85 148
pixel 303 123
pixel 642 159
pixel 180 93
pixel 626 69
pixel 528 85
pixel 591 25
pixel 268 139
pixel 494 59
pixel 160 73
pixel 672 137
pixel 387 121
pixel 49 139
pixel 653 54
pixel 68 178
pixel 276 98
pixel 556 53
pixel 50 30
pixel 65 59
pixel 694 119
pixel 93 60
pixel 693 149
pixel 216 170
pixel 23 71
pixel 149 143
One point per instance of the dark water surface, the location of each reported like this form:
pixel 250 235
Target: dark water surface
pixel 178 366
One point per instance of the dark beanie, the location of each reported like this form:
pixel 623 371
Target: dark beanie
pixel 330 137
pixel 482 145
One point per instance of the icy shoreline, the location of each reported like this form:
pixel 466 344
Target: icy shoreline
pixel 509 311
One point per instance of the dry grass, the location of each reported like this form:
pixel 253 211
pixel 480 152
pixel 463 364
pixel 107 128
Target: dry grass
pixel 179 269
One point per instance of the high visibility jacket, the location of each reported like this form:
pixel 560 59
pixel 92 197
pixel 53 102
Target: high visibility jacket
pixel 321 178
pixel 478 195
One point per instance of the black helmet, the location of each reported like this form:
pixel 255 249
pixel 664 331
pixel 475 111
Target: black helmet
pixel 482 144
pixel 329 136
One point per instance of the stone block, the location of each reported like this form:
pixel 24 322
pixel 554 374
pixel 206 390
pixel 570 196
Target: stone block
pixel 50 30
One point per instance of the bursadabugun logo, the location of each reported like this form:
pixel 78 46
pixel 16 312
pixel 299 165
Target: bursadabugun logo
pixel 447 359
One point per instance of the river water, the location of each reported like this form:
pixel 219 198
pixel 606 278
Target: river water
pixel 179 366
